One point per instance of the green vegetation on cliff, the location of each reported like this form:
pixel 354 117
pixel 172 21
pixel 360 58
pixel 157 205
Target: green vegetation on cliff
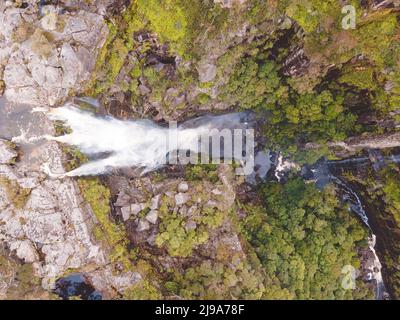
pixel 381 190
pixel 304 238
pixel 111 234
pixel 16 195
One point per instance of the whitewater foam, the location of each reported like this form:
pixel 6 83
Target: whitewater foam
pixel 146 145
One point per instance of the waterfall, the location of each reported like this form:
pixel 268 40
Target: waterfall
pixel 146 145
pixel 353 199
pixel 357 206
pixel 321 173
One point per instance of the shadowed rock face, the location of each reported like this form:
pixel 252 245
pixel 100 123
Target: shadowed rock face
pixel 367 142
pixel 296 63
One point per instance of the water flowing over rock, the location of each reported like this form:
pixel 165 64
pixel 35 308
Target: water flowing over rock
pixel 151 145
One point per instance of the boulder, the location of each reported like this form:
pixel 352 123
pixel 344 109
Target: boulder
pixel 183 186
pixel 126 212
pixel 155 202
pixel 136 208
pixel 25 251
pixel 190 225
pixel 181 198
pixel 122 200
pixel 152 216
pixel 143 225
pixel 49 21
pixel 207 72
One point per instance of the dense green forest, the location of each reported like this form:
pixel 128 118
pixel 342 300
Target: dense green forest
pixel 303 239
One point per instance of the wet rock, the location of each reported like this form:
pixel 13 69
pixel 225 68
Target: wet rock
pixel 152 216
pixel 181 198
pixel 143 225
pixel 296 63
pixel 183 187
pixel 7 154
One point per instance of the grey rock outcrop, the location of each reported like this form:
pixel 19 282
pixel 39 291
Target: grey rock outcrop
pixel 126 212
pixel 207 72
pixel 143 226
pixel 53 222
pixel 49 224
pixel 183 186
pixel 152 216
pixel 181 198
pixel 44 59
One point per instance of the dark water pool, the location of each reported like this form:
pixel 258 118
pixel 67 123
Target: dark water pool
pixel 76 285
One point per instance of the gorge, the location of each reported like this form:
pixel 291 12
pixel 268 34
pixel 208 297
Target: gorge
pixel 95 205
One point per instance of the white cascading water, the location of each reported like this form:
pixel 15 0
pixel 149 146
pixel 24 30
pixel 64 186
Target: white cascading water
pixel 139 143
pixel 357 207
